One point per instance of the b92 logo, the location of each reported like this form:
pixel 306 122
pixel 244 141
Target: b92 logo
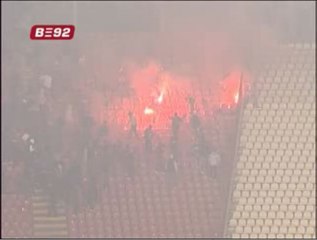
pixel 52 32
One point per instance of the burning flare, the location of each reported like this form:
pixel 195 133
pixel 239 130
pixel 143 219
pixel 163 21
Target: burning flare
pixel 160 98
pixel 148 111
pixel 236 98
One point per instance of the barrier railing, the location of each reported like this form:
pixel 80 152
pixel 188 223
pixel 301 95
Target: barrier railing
pixel 234 171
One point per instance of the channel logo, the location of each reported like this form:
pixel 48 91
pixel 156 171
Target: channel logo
pixel 52 32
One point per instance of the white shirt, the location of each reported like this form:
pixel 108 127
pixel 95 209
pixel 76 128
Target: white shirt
pixel 214 159
pixel 47 81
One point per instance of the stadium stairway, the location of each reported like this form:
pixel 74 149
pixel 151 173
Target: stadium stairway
pixel 45 225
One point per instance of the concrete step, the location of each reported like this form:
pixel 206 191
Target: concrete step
pixel 46 203
pixel 44 212
pixel 38 191
pixel 51 234
pixel 37 198
pixel 50 219
pixel 44 224
pixel 60 226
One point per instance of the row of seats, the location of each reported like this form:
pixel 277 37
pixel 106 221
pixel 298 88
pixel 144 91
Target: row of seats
pixel 291 84
pixel 295 74
pixel 279 172
pixel 273 235
pixel 281 114
pixel 267 136
pixel 274 190
pixel 272 214
pixel 266 118
pixel 267 156
pixel 290 111
pixel 286 85
pixel 280 68
pixel 275 229
pixel 267 196
pixel 278 143
pixel 282 133
pixel 291 210
pixel 16 216
pixel 288 107
pixel 292 98
pixel 146 207
pixel 302 45
pixel 272 222
pixel 278 147
pixel 262 142
pixel 275 95
pixel 302 154
pixel 254 164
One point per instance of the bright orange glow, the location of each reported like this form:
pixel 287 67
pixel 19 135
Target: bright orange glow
pixel 160 98
pixel 148 111
pixel 230 89
pixel 158 94
pixel 236 98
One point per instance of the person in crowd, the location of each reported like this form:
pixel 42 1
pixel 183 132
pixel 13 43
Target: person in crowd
pixel 159 157
pixel 103 131
pixel 191 103
pixel 214 161
pixel 176 121
pixel 129 161
pixel 171 170
pixel 133 125
pixel 73 182
pixel 148 136
pixel 174 148
pixel 92 191
pixel 53 185
pixel 195 123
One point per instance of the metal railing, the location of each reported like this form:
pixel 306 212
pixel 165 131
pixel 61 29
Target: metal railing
pixel 234 167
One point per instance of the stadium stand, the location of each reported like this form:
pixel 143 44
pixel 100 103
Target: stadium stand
pixel 16 216
pixel 148 207
pixel 44 223
pixel 274 185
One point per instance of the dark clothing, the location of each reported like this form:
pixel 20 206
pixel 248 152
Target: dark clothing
pixel 191 102
pixel 195 122
pixel 148 134
pixel 133 131
pixel 133 126
pixel 175 125
pixel 160 157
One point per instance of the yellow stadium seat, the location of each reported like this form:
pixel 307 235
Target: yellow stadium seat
pixel 271 235
pixel 283 229
pixel 275 229
pixel 244 235
pixel 236 193
pixel 254 215
pixel 250 222
pixel 283 207
pixel 239 229
pixel 236 214
pixel 274 207
pixel 292 207
pixel 286 200
pixel 235 235
pixel 307 215
pixel 262 235
pixel 271 215
pixel 298 235
pixel 280 235
pixel 233 223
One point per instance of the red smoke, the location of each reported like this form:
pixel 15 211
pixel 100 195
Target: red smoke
pixel 158 94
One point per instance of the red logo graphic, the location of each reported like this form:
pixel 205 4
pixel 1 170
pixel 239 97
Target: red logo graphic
pixel 52 32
